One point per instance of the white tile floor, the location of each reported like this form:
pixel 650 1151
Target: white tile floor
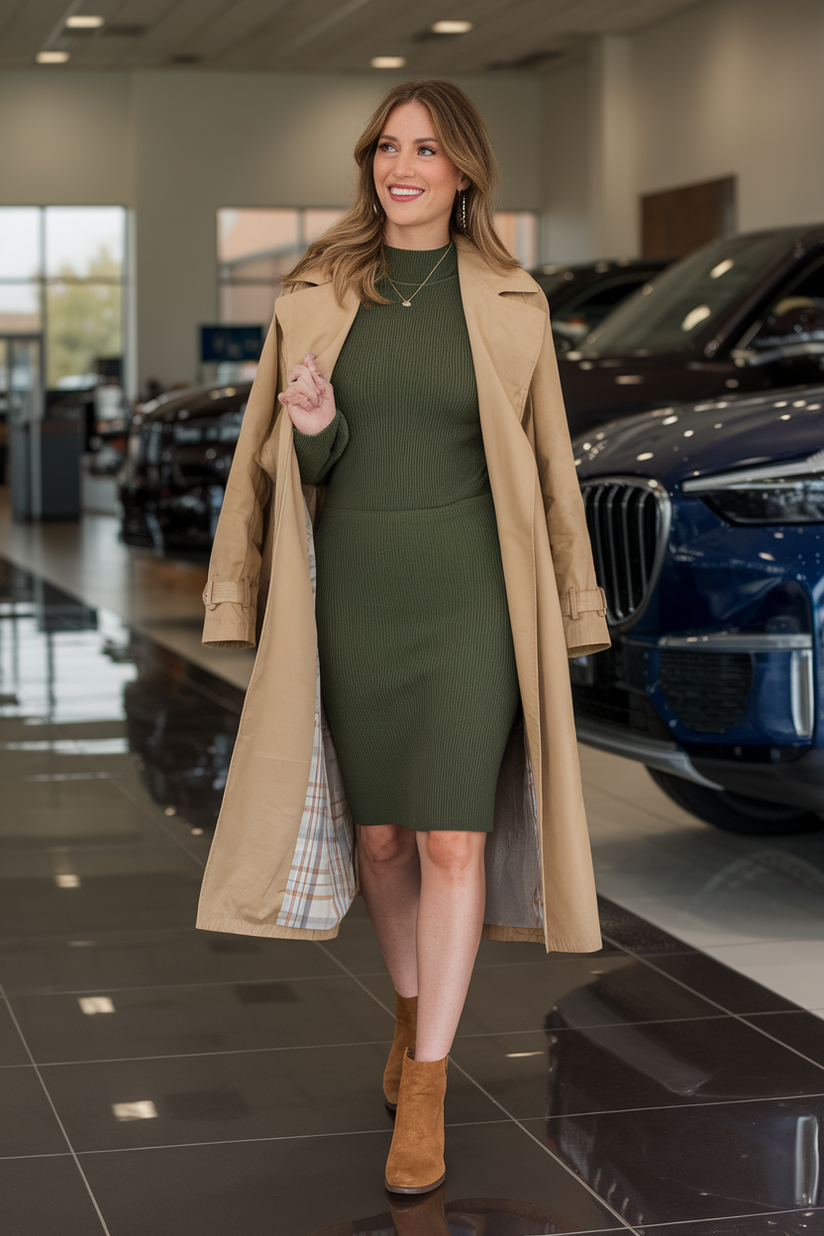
pixel 756 905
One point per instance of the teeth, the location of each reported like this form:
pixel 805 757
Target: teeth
pixel 406 192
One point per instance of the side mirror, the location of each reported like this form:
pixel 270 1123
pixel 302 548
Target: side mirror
pixel 794 328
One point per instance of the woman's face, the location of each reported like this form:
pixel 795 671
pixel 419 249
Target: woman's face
pixel 415 179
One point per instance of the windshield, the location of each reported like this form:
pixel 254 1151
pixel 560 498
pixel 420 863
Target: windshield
pixel 687 300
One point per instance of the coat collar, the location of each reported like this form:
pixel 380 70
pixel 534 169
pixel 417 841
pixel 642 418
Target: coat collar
pixel 506 316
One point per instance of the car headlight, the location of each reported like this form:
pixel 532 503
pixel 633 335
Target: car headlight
pixel 789 492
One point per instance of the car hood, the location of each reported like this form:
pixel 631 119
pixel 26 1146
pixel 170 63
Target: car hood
pixel 674 443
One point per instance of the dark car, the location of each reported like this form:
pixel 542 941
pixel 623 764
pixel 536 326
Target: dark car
pixel 742 314
pixel 581 295
pixel 707 526
pixel 178 455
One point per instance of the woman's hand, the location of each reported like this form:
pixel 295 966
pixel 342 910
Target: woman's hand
pixel 309 398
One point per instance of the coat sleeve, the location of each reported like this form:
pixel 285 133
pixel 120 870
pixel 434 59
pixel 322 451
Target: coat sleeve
pixel 583 604
pixel 231 592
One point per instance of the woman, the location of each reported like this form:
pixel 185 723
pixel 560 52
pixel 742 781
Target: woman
pixel 420 409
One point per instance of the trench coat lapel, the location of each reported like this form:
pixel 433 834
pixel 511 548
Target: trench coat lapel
pixel 506 331
pixel 313 320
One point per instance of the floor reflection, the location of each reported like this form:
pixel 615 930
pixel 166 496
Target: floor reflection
pixel 698 1141
pixel 432 1215
pixel 64 665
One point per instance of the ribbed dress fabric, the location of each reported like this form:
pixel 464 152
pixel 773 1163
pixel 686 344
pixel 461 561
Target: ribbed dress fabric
pixel 416 657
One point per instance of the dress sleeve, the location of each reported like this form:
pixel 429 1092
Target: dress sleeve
pixel 319 452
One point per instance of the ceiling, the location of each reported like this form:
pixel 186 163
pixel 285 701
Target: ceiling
pixel 526 36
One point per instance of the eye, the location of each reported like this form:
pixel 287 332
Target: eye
pixel 427 150
pixel 385 146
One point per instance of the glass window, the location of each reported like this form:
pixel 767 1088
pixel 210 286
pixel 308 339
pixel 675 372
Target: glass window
pixel 686 300
pixel 19 308
pixel 256 247
pixel 20 242
pixel 518 229
pixel 62 274
pixel 84 242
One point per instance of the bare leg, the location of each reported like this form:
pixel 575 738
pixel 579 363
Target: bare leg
pixel 449 922
pixel 390 877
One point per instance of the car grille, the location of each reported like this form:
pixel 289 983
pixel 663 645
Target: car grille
pixel 708 691
pixel 628 520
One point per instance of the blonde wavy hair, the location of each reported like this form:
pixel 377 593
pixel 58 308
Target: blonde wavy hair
pixel 351 251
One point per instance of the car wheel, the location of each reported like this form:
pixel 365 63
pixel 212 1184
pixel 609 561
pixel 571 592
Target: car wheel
pixel 736 813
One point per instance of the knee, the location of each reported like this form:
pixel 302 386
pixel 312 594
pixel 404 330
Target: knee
pixel 383 844
pixel 454 855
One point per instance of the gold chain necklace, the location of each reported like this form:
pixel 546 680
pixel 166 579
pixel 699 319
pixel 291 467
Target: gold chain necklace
pixel 407 303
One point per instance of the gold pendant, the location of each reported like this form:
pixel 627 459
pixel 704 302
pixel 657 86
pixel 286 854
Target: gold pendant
pixel 406 304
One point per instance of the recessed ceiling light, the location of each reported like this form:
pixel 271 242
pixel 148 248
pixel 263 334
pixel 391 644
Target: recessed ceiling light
pixel 82 21
pixel 388 62
pixel 451 27
pixel 52 57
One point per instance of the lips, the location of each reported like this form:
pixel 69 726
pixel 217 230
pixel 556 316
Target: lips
pixel 404 193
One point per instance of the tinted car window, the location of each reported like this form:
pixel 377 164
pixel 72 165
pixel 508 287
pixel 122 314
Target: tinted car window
pixel 586 311
pixel 689 297
pixel 187 435
pixel 797 313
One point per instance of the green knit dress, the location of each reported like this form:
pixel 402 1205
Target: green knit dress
pixel 416 658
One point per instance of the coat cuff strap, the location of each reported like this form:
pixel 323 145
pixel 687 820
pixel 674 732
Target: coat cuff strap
pixel 218 590
pixel 579 601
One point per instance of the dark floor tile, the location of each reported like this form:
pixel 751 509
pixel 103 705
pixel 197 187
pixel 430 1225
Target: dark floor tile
pixel 40 907
pixel 87 808
pixel 356 945
pixel 297 1092
pixel 631 932
pixel 12 1050
pixel 161 857
pixel 505 998
pixel 45 1197
pixel 594 990
pixel 801 1030
pixel 733 991
pixel 301 1187
pixel 27 1122
pixel 785 1223
pixel 606 1068
pixel 671 1165
pixel 94 962
pixel 155 1021
pixel 508 953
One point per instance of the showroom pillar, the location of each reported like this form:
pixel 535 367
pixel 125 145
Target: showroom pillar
pixel 614 208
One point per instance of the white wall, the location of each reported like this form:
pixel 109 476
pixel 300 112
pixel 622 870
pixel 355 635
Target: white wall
pixel 735 86
pixel 566 187
pixel 176 145
pixel 729 87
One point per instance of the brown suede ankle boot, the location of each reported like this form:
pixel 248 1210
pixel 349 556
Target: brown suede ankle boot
pixel 406 1024
pixel 415 1163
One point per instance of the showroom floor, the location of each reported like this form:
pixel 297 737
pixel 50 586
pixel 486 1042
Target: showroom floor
pixel 158 1079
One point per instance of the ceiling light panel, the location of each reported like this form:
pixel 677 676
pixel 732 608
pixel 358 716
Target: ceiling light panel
pixel 52 57
pixel 84 21
pixel 388 62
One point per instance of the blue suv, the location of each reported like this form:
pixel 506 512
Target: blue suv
pixel 707 524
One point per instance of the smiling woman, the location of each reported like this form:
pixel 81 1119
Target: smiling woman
pixel 411 678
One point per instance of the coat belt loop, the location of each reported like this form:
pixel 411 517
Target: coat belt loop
pixel 573 605
pixel 207 596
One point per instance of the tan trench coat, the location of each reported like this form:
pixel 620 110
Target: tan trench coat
pixel 283 861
